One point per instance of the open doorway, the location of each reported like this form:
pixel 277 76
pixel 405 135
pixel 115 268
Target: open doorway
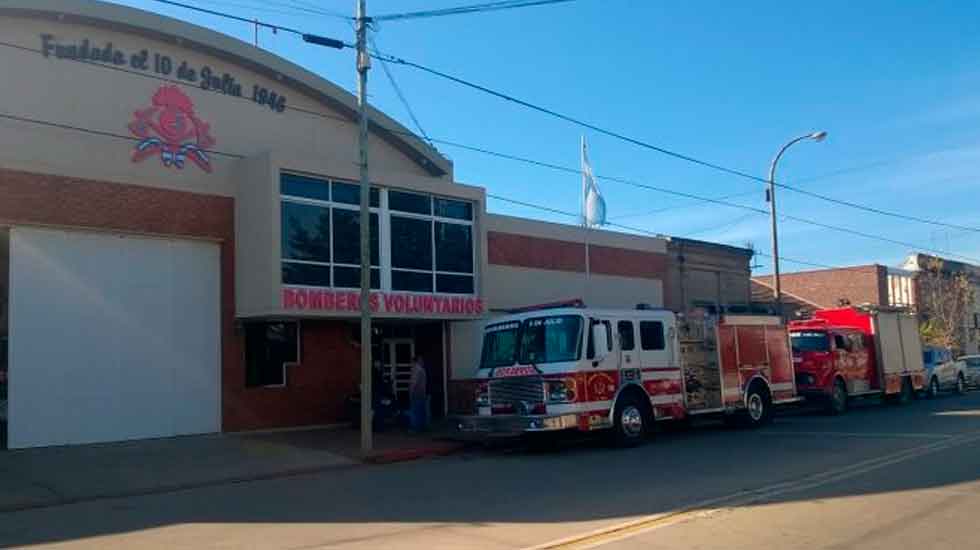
pixel 4 299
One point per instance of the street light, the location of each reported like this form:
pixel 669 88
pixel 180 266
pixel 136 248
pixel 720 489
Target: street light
pixel 776 289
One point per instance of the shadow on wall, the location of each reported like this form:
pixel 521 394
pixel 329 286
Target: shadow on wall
pixel 580 483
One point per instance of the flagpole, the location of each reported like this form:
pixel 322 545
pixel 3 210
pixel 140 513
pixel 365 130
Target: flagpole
pixel 585 225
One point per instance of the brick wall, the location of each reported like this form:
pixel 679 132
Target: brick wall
pixel 315 390
pixel 515 250
pixel 859 285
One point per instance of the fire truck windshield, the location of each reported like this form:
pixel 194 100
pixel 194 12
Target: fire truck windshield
pixel 551 339
pixel 533 341
pixel 809 341
pixel 500 345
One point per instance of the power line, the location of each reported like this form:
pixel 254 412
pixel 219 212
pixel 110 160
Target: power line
pixel 659 149
pixel 637 229
pixel 460 10
pixel 288 9
pixel 398 92
pixel 330 42
pixel 101 133
pixel 577 171
pixel 307 37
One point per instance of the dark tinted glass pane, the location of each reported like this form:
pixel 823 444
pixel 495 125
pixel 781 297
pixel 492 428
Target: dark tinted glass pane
pixel 411 243
pixel 651 335
pixel 347 237
pixel 454 247
pixel 409 202
pixel 305 232
pixel 410 280
pixel 267 347
pixel 350 193
pixel 460 210
pixel 350 277
pixel 626 337
pixel 305 274
pixel 454 284
pixel 302 186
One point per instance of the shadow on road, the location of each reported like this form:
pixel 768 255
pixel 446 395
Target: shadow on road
pixel 577 481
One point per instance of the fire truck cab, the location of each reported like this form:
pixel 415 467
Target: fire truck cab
pixel 846 353
pixel 589 369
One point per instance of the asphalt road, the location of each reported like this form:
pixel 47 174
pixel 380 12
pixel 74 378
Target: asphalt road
pixel 879 477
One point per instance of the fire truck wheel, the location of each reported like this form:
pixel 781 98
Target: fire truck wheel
pixel 837 404
pixel 630 422
pixel 758 411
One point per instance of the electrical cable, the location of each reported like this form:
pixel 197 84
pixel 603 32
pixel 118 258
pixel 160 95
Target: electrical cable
pixel 606 178
pixel 460 10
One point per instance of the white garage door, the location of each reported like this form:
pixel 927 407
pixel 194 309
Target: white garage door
pixel 111 337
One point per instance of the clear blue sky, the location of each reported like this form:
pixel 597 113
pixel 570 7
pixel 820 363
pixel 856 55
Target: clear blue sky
pixel 896 84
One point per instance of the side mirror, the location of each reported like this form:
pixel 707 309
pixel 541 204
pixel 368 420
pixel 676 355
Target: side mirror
pixel 599 341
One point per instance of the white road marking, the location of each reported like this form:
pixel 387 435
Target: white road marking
pixel 860 434
pixel 717 505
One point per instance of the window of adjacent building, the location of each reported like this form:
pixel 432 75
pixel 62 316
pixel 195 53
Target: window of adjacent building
pixel 269 349
pixel 900 290
pixel 627 340
pixel 428 245
pixel 652 335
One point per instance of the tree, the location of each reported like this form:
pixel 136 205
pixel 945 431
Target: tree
pixel 945 303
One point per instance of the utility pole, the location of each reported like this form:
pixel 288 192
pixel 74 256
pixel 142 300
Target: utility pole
pixel 363 64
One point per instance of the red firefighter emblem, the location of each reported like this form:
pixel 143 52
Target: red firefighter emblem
pixel 171 129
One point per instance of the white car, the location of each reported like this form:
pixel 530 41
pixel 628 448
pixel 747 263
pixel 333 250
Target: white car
pixel 943 373
pixel 972 369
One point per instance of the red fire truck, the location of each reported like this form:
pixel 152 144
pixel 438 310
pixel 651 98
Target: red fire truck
pixel 844 353
pixel 577 368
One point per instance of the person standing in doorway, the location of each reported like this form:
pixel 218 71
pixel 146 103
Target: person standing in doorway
pixel 419 396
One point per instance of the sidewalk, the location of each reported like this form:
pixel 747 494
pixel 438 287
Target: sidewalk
pixel 32 478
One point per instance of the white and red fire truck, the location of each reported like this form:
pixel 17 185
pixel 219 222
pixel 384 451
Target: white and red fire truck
pixel 566 368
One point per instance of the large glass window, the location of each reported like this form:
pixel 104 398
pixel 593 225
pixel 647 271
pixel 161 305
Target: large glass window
pixel 403 201
pixel 305 232
pixel 347 237
pixel 428 246
pixel 454 247
pixel 411 243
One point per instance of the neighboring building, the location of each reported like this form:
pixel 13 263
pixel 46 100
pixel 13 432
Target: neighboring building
pixel 971 318
pixel 179 229
pixel 763 301
pixel 707 275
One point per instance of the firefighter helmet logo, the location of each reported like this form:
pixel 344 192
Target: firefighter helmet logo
pixel 171 129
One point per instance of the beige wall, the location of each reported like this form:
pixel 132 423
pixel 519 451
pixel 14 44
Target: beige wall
pixel 509 287
pixel 94 96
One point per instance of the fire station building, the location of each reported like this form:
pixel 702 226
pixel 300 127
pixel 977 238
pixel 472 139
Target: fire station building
pixel 179 237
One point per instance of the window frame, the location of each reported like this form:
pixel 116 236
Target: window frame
pixel 384 213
